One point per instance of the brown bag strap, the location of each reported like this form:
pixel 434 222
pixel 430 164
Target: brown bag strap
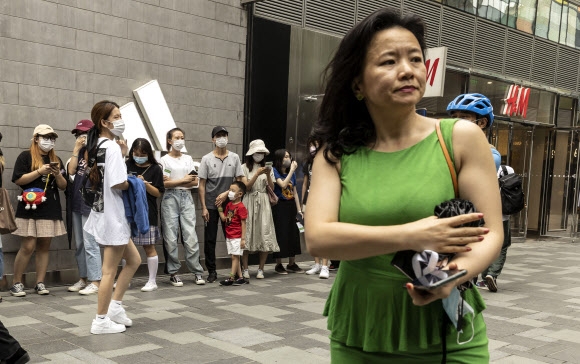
pixel 447 158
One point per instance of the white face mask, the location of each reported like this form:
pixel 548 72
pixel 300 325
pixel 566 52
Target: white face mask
pixel 178 144
pixel 286 163
pixel 118 127
pixel 312 150
pixel 45 145
pixel 231 195
pixel 221 142
pixel 258 157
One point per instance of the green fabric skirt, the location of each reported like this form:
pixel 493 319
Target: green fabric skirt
pixel 372 318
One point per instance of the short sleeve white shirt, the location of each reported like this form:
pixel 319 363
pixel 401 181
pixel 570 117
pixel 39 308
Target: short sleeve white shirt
pixel 177 168
pixel 110 226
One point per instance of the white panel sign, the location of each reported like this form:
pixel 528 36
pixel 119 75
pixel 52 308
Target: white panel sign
pixel 134 127
pixel 156 112
pixel 436 61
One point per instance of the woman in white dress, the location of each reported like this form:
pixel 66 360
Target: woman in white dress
pixel 107 221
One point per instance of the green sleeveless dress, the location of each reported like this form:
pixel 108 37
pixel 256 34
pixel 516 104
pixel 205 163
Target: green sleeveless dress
pixel 370 314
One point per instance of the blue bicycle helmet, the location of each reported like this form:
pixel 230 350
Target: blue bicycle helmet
pixel 475 103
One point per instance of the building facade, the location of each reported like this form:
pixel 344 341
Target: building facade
pixel 497 48
pixel 59 57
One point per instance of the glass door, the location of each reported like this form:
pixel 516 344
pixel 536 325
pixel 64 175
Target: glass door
pixel 561 184
pixel 514 141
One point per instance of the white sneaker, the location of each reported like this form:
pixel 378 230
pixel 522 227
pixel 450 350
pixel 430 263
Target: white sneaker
pixel 246 274
pixel 199 280
pixel 117 314
pixel 106 326
pixel 315 269
pixel 260 274
pixel 324 272
pixel 90 289
pixel 150 286
pixel 77 286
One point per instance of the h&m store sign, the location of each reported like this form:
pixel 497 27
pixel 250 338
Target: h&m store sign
pixel 516 101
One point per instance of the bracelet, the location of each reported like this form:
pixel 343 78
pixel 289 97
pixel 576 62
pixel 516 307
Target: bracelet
pixel 220 209
pixel 76 156
pixel 40 174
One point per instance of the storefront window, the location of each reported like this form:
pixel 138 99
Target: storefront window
pixel 565 112
pixel 454 85
pixel 540 103
pixel 493 10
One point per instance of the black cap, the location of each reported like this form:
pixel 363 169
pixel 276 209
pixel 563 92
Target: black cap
pixel 218 129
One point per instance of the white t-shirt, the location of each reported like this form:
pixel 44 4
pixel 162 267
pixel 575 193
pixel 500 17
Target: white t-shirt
pixel 177 168
pixel 109 226
pixel 510 170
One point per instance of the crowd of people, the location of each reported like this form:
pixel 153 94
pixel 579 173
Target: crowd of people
pixel 103 178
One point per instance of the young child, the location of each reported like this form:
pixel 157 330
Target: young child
pixel 234 216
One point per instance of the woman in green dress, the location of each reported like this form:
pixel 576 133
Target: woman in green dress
pixel 380 172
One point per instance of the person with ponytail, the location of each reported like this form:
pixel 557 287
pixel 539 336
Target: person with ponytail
pixel 107 221
pixel 38 221
pixel 178 209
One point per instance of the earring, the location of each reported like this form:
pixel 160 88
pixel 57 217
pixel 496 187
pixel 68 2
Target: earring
pixel 359 97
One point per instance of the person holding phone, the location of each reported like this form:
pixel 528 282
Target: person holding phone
pixel 88 253
pixel 178 209
pixel 285 212
pixel 379 173
pixel 40 168
pixel 142 164
pixel 260 233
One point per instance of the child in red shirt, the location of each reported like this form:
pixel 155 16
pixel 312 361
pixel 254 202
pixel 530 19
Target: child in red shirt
pixel 234 216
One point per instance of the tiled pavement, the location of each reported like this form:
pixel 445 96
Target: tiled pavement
pixel 534 318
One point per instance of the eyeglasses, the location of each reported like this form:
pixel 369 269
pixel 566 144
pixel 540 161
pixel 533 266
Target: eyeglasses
pixel 47 138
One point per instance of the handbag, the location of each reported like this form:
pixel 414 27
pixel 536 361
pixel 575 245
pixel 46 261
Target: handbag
pixel 271 196
pixel 7 221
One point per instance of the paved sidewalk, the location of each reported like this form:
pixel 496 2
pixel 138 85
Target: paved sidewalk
pixel 534 318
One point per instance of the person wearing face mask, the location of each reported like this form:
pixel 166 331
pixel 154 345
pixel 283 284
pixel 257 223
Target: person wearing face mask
pixel 260 234
pixel 39 167
pixel 320 266
pixel 178 209
pixel 107 221
pixel 217 171
pixel 285 212
pixel 142 164
pixel 88 253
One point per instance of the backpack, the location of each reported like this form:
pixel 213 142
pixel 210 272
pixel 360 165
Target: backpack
pixel 88 194
pixel 511 191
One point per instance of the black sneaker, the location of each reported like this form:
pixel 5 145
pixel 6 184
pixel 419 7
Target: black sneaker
pixel 17 290
pixel 294 268
pixel 226 282
pixel 19 357
pixel 41 289
pixel 240 282
pixel 176 281
pixel 491 283
pixel 280 269
pixel 212 277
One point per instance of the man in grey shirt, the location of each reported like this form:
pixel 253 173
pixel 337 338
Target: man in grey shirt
pixel 217 171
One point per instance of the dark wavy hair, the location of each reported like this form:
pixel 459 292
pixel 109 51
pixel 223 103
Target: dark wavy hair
pixel 101 111
pixel 344 123
pixel 142 145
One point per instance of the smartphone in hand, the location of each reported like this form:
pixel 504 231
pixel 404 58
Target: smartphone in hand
pixel 452 275
pixel 193 172
pixel 54 164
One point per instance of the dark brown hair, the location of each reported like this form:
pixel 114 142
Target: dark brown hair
pixel 344 123
pixel 101 111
